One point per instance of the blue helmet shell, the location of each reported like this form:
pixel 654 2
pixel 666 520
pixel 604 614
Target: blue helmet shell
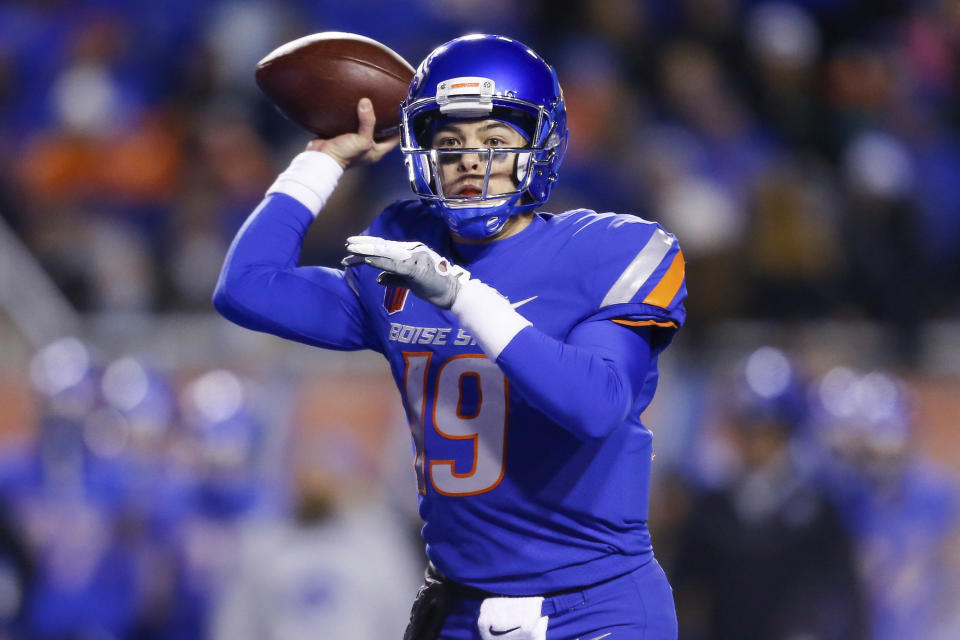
pixel 514 84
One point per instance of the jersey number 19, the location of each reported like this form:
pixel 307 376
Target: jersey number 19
pixel 441 408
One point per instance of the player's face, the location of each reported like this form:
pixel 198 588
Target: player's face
pixel 462 174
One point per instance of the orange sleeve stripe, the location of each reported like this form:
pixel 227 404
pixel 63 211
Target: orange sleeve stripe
pixel 664 292
pixel 644 323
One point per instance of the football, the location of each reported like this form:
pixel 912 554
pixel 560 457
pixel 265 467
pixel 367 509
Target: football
pixel 317 80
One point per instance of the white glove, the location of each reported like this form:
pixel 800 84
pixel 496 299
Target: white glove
pixel 481 309
pixel 413 265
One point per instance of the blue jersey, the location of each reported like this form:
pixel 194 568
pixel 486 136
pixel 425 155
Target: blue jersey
pixel 514 502
pixel 904 528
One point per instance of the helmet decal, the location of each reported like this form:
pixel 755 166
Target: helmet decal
pixel 466 97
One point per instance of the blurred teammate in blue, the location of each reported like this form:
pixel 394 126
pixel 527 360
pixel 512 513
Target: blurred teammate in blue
pixel 764 554
pixel 902 511
pixel 66 491
pixel 524 345
pixel 226 490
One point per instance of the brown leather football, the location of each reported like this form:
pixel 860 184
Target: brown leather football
pixel 317 80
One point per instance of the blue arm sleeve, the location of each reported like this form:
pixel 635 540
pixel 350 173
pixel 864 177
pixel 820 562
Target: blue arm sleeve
pixel 262 288
pixel 587 384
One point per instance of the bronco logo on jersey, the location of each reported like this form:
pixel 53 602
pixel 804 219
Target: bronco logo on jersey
pixel 394 298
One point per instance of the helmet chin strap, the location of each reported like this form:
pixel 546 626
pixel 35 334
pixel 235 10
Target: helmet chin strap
pixel 479 228
pixel 476 222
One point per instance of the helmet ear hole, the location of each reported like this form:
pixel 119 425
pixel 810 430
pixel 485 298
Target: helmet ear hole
pixel 422 127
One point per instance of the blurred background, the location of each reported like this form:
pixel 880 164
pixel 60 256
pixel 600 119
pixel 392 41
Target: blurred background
pixel 164 474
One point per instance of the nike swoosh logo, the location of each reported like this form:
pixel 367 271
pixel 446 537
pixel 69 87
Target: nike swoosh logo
pixel 523 302
pixel 495 632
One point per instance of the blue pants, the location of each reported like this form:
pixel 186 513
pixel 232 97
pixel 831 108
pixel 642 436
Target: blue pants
pixel 636 606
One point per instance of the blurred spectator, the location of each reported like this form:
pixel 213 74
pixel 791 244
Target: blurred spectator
pixel 881 234
pixel 705 215
pixel 764 555
pixel 602 112
pixel 698 94
pixel 784 45
pixel 794 255
pixel 224 181
pixel 341 566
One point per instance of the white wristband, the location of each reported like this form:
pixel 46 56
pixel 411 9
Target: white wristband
pixel 487 316
pixel 310 179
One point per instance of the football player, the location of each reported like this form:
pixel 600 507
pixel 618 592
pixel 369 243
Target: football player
pixel 901 508
pixel 524 345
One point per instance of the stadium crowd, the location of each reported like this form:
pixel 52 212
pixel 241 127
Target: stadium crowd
pixel 804 152
pixel 821 137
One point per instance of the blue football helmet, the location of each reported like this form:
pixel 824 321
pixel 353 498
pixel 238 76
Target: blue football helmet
pixel 769 390
pixel 863 415
pixel 480 77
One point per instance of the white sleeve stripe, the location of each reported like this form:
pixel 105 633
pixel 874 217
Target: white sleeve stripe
pixel 639 270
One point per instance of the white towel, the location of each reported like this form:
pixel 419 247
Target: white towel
pixel 512 619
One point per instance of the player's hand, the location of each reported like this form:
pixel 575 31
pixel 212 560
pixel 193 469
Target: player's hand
pixel 350 149
pixel 413 265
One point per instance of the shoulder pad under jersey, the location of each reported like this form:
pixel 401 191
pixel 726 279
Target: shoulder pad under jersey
pixel 638 269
